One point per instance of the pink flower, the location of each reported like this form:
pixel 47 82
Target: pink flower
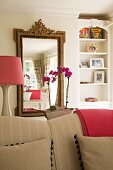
pixel 55 73
pixel 59 68
pixel 67 69
pixel 63 69
pixel 46 79
pixel 68 74
pixel 53 79
pixel 51 72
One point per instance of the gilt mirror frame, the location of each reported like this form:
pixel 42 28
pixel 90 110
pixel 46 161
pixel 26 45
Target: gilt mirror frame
pixel 39 31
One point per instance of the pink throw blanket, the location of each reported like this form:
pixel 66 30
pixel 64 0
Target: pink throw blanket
pixel 96 122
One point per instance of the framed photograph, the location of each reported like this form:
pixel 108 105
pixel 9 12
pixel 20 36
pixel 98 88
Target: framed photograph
pixel 84 63
pixel 99 77
pixel 97 63
pixel 91 47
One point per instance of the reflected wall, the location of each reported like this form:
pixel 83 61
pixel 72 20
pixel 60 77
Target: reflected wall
pixel 39 58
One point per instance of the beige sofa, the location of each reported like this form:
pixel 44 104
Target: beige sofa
pixel 19 130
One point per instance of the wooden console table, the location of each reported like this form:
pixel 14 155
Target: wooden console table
pixel 57 113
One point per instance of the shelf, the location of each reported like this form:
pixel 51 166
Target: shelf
pixel 93 103
pixel 103 104
pixel 93 84
pixel 91 68
pixel 89 39
pixel 88 53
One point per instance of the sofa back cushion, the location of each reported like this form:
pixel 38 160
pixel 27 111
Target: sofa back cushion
pixel 63 129
pixel 14 129
pixel 36 94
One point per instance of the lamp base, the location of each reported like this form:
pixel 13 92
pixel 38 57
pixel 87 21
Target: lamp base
pixel 6 111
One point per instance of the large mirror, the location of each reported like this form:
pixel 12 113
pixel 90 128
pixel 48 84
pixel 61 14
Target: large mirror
pixel 41 50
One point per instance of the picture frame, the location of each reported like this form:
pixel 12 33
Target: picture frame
pixel 97 63
pixel 99 77
pixel 91 48
pixel 84 64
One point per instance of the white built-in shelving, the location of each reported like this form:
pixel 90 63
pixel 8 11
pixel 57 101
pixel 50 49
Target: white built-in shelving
pixel 87 87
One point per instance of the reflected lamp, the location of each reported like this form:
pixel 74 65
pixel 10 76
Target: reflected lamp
pixel 10 74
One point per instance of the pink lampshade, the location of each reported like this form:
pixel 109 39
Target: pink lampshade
pixel 11 70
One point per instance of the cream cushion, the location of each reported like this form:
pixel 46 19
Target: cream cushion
pixel 62 130
pixel 14 129
pixel 29 156
pixel 96 152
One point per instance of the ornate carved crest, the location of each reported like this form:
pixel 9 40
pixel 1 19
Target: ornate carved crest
pixel 40 29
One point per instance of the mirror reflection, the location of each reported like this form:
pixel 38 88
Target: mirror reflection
pixel 39 58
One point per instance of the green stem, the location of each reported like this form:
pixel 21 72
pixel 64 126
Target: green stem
pixel 67 89
pixel 49 95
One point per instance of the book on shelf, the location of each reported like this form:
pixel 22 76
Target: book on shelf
pixel 90 99
pixel 96 33
pixel 84 33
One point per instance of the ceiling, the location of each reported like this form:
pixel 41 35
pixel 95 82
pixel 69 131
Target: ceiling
pixel 70 7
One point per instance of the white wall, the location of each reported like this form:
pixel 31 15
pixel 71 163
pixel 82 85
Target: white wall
pixel 112 61
pixel 9 21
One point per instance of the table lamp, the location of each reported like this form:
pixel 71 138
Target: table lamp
pixel 10 74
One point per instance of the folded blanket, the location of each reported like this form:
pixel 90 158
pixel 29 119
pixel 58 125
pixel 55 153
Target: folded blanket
pixel 96 122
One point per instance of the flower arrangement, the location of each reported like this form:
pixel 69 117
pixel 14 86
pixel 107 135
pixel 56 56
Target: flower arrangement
pixel 67 73
pixel 53 77
pixel 27 87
